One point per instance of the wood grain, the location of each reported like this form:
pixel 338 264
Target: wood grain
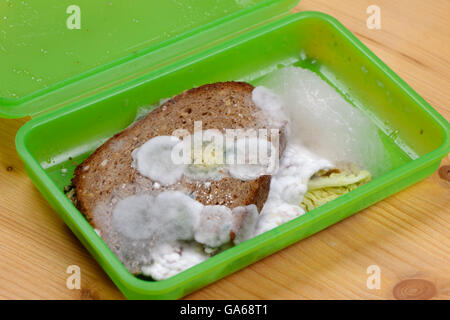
pixel 406 235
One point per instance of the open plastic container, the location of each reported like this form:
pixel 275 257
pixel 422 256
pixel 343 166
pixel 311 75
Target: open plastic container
pixel 82 86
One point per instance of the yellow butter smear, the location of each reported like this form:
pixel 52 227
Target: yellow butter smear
pixel 326 186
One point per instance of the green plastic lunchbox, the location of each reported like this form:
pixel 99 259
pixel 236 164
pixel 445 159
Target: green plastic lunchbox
pixel 81 86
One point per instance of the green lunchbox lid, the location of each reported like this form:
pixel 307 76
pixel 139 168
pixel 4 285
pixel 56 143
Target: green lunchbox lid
pixel 44 64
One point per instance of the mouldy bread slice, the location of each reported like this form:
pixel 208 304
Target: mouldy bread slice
pixel 107 176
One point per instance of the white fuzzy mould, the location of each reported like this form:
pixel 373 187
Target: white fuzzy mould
pixel 288 187
pixel 244 222
pixel 270 103
pixel 297 166
pixel 167 217
pixel 161 230
pixel 180 213
pixel 214 226
pixel 154 160
pixel 132 217
pixel 169 260
pixel 256 163
pixel 322 120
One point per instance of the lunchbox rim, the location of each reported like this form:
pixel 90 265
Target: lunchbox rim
pixel 117 271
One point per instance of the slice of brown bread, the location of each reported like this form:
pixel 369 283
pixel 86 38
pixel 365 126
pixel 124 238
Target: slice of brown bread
pixel 107 175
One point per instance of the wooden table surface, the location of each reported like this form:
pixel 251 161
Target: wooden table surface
pixel 407 235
